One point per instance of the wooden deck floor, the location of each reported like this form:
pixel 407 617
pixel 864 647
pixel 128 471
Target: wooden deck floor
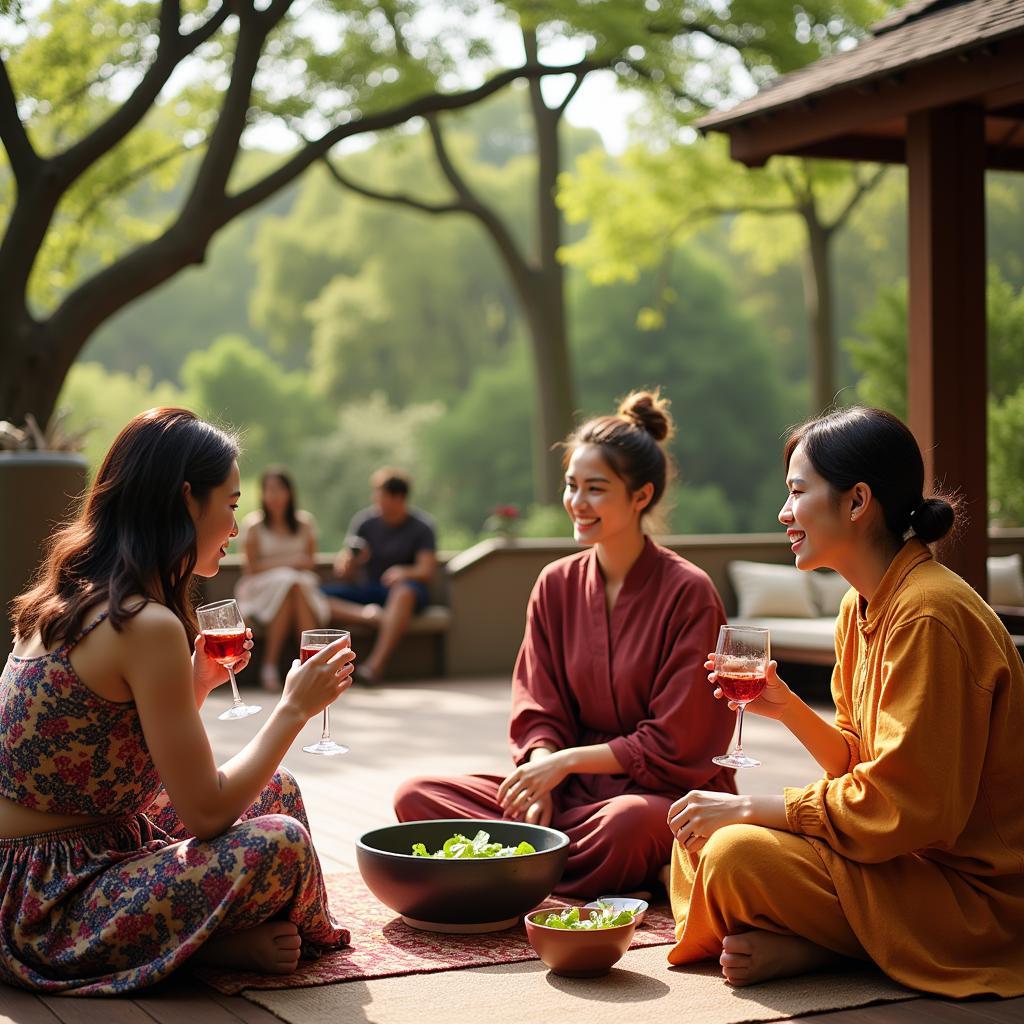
pixel 404 729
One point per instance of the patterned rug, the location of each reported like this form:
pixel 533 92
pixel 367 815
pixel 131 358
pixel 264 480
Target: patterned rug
pixel 384 946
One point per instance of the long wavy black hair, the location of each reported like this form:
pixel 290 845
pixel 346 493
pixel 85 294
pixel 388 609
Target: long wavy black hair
pixel 134 535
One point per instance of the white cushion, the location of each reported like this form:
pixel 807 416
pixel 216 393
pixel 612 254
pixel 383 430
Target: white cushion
pixel 829 589
pixel 776 590
pixel 1005 580
pixel 818 634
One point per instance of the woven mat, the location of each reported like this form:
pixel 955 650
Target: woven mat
pixel 641 987
pixel 384 946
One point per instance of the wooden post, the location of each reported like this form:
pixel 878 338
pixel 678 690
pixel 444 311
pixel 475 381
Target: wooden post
pixel 947 334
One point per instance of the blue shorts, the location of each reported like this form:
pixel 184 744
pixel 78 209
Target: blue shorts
pixel 375 593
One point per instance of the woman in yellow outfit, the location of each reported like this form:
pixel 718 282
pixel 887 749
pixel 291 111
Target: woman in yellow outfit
pixel 910 851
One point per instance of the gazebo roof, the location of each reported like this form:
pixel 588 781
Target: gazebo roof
pixel 854 104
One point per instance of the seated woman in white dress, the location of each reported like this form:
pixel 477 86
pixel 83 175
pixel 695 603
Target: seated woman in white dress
pixel 279 588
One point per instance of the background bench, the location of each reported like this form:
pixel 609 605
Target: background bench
pixel 420 653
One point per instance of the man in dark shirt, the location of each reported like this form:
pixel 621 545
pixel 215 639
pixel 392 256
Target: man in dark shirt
pixel 385 567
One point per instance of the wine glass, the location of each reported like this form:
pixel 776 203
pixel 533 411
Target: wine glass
pixel 741 662
pixel 224 631
pixel 314 640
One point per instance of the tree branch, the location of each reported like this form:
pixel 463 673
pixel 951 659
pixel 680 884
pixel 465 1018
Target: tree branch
pixel 401 198
pixel 677 91
pixel 171 50
pixel 20 151
pixel 484 213
pixel 863 187
pixel 434 103
pixel 113 188
pixel 573 89
pixel 800 195
pixel 184 242
pixel 457 182
pixel 210 184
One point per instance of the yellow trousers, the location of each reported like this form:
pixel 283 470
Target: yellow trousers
pixel 750 877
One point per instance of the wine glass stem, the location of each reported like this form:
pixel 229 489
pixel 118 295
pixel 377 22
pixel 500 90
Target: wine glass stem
pixel 327 724
pixel 234 686
pixel 739 736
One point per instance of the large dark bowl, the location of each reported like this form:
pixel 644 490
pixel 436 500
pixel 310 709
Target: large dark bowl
pixel 460 895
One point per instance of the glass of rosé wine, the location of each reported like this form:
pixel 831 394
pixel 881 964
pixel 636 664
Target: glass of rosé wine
pixel 223 630
pixel 314 640
pixel 741 662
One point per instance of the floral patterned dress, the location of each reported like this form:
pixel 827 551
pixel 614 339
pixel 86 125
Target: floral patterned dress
pixel 119 905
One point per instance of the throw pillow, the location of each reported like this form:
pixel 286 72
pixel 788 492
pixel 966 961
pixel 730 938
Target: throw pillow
pixel 1005 580
pixel 781 591
pixel 829 589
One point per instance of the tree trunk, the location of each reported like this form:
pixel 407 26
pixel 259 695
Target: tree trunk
pixel 29 379
pixel 545 308
pixel 552 377
pixel 817 266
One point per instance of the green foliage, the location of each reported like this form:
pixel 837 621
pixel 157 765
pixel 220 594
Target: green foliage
pixel 545 521
pixel 236 384
pixel 103 402
pixel 383 298
pixel 334 468
pixel 477 455
pixel 193 308
pixel 1006 459
pixel 68 68
pixel 700 509
pixel 880 355
pixel 729 400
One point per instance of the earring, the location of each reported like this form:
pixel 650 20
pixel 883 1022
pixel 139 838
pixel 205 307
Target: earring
pixel 853 518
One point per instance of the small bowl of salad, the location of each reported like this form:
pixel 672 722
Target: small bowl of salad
pixel 581 942
pixel 462 875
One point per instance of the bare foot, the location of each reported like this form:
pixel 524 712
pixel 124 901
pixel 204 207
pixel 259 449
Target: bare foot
pixel 756 956
pixel 665 875
pixel 269 948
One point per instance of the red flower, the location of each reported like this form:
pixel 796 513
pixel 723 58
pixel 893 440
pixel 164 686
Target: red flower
pixel 215 888
pixel 131 926
pixel 51 727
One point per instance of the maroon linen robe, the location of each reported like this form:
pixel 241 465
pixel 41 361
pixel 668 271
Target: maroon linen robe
pixel 637 683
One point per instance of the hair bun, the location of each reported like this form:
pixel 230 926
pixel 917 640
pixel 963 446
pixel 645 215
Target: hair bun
pixel 933 519
pixel 649 411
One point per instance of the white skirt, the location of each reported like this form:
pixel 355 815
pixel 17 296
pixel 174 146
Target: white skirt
pixel 260 594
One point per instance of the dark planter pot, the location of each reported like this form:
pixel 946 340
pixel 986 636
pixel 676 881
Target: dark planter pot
pixel 38 490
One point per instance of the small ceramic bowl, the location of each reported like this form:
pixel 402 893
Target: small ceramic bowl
pixel 639 907
pixel 578 954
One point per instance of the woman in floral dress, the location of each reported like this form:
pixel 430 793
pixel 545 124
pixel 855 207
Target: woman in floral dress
pixel 124 850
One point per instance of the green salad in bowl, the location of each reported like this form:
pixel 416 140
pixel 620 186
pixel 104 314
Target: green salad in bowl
pixel 581 942
pixel 461 848
pixel 602 916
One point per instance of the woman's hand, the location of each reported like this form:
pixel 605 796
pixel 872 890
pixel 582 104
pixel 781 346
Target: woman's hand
pixel 540 811
pixel 531 782
pixel 773 700
pixel 310 687
pixel 208 674
pixel 696 817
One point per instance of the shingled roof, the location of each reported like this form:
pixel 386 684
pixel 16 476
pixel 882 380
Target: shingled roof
pixel 919 33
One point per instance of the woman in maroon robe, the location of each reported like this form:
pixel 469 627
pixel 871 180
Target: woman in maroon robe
pixel 610 716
